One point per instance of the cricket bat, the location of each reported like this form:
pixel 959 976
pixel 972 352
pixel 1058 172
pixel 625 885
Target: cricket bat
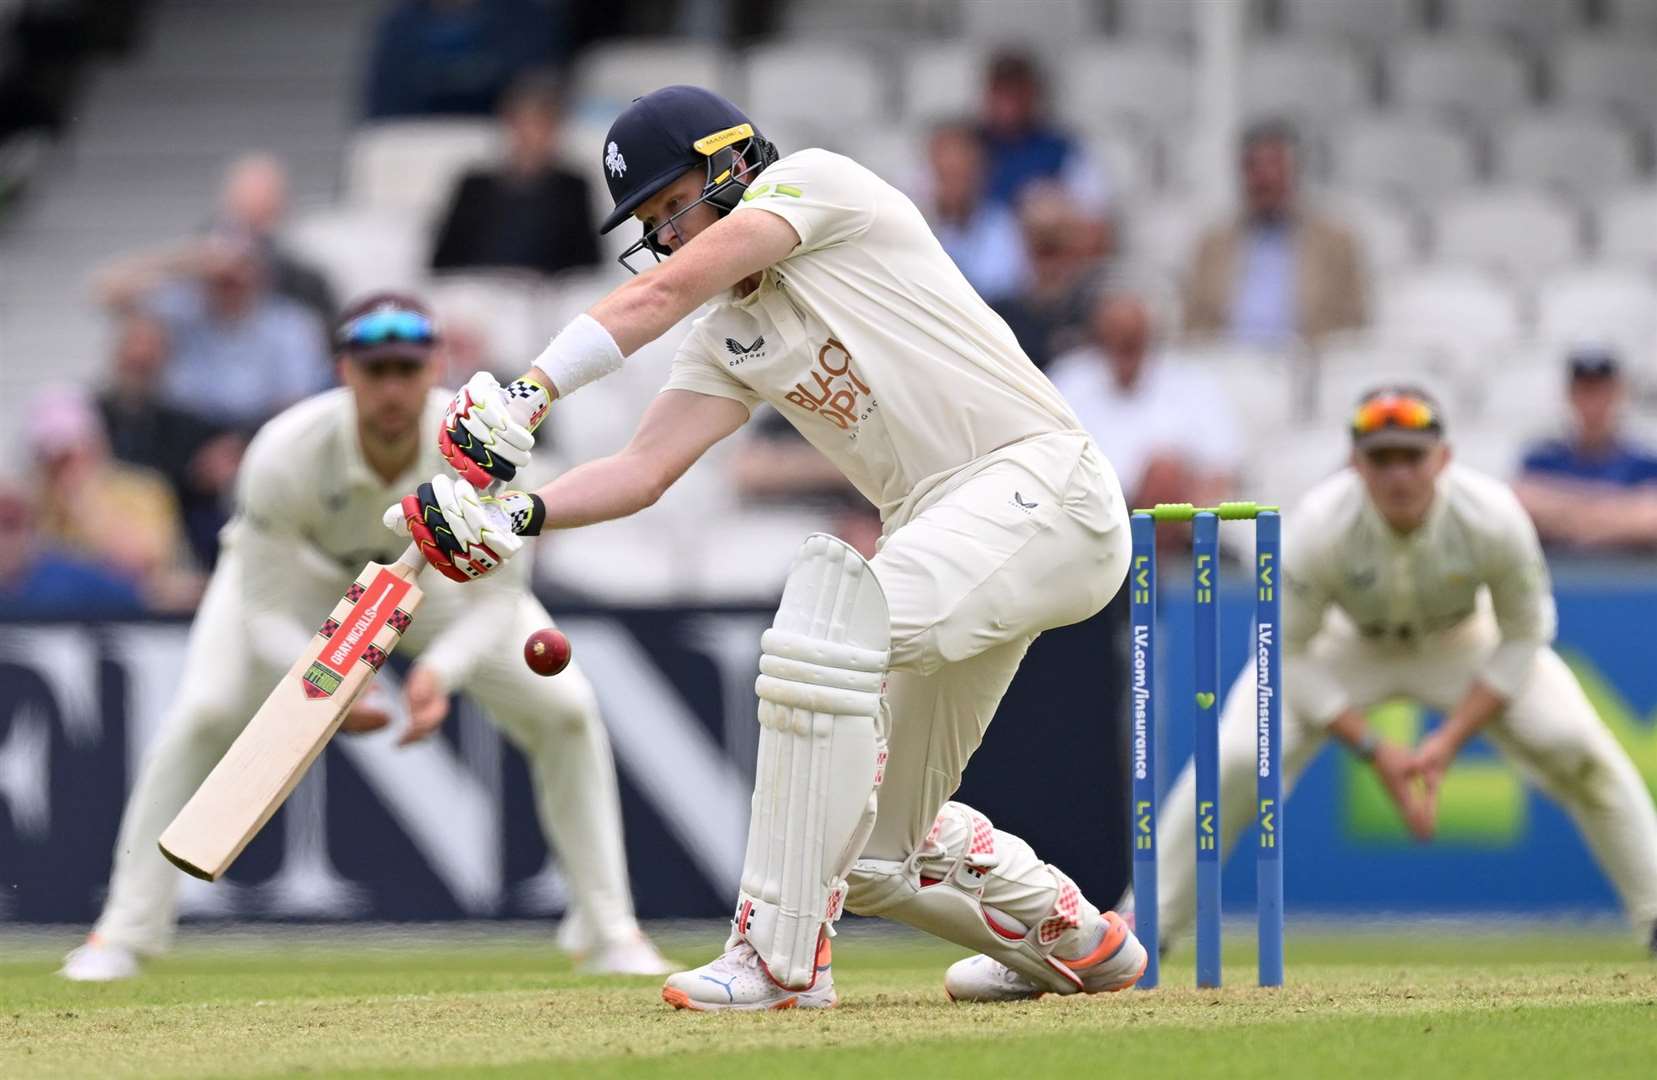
pixel 272 753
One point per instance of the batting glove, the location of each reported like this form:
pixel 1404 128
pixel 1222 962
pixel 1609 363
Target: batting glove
pixel 488 429
pixel 463 534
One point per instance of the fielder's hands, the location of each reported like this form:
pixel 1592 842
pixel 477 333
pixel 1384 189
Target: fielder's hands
pixel 1395 766
pixel 464 534
pixel 1431 761
pixel 428 704
pixel 488 429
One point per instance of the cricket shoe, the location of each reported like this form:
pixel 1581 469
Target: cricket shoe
pixel 737 980
pixel 1115 964
pixel 98 961
pixel 635 957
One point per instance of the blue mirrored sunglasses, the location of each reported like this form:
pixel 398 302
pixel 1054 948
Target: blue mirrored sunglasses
pixel 387 325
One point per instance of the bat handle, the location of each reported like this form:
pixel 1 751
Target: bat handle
pixel 412 558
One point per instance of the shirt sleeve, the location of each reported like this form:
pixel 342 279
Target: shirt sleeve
pixel 695 370
pixel 1316 692
pixel 1522 595
pixel 285 581
pixel 827 199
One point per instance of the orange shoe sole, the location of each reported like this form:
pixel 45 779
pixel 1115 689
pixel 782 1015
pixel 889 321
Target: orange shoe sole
pixel 681 1000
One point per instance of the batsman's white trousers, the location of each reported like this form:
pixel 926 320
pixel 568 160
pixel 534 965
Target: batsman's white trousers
pixel 1032 537
pixel 555 722
pixel 1549 732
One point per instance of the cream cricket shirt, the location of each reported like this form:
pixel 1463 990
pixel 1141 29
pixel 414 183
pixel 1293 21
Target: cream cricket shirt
pixel 868 339
pixel 1477 549
pixel 307 520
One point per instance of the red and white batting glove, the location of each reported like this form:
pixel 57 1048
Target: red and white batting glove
pixel 488 429
pixel 464 534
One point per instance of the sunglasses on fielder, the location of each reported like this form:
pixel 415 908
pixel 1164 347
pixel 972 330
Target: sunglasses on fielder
pixel 1400 411
pixel 386 326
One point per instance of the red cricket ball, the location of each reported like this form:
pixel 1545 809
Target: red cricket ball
pixel 547 652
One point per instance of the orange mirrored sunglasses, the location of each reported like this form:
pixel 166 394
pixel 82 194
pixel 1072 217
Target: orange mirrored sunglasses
pixel 1393 410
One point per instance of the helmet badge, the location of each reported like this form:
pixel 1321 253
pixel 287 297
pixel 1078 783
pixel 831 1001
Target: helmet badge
pixel 614 161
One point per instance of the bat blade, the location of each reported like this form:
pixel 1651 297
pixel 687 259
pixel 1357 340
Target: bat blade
pixel 272 754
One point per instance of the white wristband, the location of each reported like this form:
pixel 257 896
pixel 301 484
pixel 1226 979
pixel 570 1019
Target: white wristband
pixel 582 351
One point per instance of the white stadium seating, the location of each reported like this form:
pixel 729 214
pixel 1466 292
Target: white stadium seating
pixel 1413 158
pixel 1389 235
pixel 612 73
pixel 1577 154
pixel 1605 303
pixel 799 82
pixel 1626 226
pixel 1531 20
pixel 1458 306
pixel 942 80
pixel 1614 72
pixel 1148 83
pixel 1517 232
pixel 412 166
pixel 1302 79
pixel 1365 20
pixel 1476 78
pixel 361 249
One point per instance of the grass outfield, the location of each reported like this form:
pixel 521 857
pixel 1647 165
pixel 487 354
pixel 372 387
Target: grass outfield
pixel 1411 1003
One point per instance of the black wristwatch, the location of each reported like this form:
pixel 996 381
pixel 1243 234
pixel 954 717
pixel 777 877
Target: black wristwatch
pixel 1364 749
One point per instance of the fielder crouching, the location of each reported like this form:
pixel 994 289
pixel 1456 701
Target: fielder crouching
pixel 310 496
pixel 833 302
pixel 1412 577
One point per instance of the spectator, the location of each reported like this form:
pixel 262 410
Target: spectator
pixel 1047 314
pixel 197 458
pixel 457 56
pixel 531 214
pixel 1166 428
pixel 1280 270
pixel 254 200
pixel 1025 148
pixel 1595 488
pixel 981 236
pixel 240 353
pixel 121 517
pixel 37 581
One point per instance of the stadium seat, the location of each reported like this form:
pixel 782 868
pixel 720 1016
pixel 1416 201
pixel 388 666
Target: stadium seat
pixel 1369 350
pixel 1266 387
pixel 505 310
pixel 412 166
pixel 1533 20
pixel 610 74
pixel 1128 160
pixel 1162 232
pixel 362 248
pixel 1528 400
pixel 1051 23
pixel 1389 235
pixel 795 81
pixel 1474 78
pixel 1295 459
pixel 1158 19
pixel 1601 303
pixel 1367 21
pixel 1578 155
pixel 1520 233
pixel 941 80
pixel 1496 446
pixel 1618 73
pixel 1626 226
pixel 1302 79
pixel 1104 81
pixel 1416 159
pixel 1459 307
pixel 1341 387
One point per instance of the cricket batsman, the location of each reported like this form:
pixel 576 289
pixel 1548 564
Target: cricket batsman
pixel 1411 577
pixel 310 496
pixel 831 300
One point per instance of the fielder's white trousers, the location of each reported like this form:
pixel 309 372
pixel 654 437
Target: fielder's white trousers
pixel 1549 732
pixel 555 722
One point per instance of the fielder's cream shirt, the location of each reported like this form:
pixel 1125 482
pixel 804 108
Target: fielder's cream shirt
pixel 1477 549
pixel 868 339
pixel 307 520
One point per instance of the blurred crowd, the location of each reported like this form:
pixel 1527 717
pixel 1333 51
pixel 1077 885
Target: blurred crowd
pixel 215 334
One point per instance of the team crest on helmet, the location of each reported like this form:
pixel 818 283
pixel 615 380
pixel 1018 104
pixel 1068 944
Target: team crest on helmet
pixel 614 161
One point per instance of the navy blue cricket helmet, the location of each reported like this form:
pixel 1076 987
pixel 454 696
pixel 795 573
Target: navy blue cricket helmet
pixel 664 134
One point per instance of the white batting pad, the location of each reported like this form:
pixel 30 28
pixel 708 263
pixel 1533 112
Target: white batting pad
pixel 822 749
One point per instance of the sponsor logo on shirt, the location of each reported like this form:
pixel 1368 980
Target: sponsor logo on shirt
pixel 754 351
pixel 832 389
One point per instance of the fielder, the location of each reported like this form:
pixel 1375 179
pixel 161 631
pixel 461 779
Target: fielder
pixel 1414 578
pixel 311 490
pixel 832 301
